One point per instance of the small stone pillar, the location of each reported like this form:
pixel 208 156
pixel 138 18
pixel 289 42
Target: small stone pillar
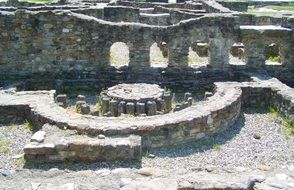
pixel 113 107
pixel 105 105
pixel 160 105
pixel 177 108
pixel 187 95
pixel 130 108
pixel 61 100
pixel 121 108
pixel 185 105
pixel 207 95
pixel 190 101
pixel 85 108
pixel 151 108
pixel 82 107
pixel 168 101
pixel 254 52
pixel 140 108
pixel 81 98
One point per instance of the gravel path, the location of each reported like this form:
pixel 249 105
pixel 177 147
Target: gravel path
pixel 237 146
pixel 13 137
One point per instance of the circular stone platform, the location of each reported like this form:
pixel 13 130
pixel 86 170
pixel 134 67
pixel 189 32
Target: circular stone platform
pixel 135 92
pixel 135 99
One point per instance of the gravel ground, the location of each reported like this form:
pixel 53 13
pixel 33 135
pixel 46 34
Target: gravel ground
pixel 236 146
pixel 13 137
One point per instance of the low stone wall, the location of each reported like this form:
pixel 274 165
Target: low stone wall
pixel 204 118
pixel 83 149
pixel 155 19
pixel 215 7
pixel 241 6
pixel 121 14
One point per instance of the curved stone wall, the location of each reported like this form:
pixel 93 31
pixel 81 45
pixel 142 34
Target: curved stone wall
pixel 204 118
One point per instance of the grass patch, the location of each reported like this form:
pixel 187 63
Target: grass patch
pixel 216 147
pixel 280 8
pixel 12 127
pixel 20 161
pixel 274 110
pixel 275 58
pixel 253 10
pixel 4 147
pixel 27 125
pixel 288 126
pixel 287 122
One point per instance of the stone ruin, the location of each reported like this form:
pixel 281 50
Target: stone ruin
pixel 68 43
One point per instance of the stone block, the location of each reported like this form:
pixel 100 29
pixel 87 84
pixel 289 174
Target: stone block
pixel 81 98
pixel 121 108
pixel 187 95
pixel 168 101
pixel 160 105
pixel 140 108
pixel 39 136
pixel 151 108
pixel 130 108
pixel 105 105
pixel 113 107
pixel 190 101
pixel 61 100
pixel 85 109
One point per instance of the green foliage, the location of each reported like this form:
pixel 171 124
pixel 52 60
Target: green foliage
pixel 275 58
pixel 253 10
pixel 279 8
pixel 99 106
pixel 78 109
pixel 4 147
pixel 288 125
pixel 27 125
pixel 273 109
pixel 12 126
pixel 287 122
pixel 216 147
pixel 20 161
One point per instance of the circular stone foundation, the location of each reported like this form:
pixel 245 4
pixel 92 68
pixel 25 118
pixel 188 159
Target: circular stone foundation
pixel 135 99
pixel 135 92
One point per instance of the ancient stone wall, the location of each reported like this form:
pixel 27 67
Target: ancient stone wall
pixel 241 6
pixel 55 41
pixel 207 117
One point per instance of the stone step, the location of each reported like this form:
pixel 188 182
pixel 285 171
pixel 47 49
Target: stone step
pixel 81 148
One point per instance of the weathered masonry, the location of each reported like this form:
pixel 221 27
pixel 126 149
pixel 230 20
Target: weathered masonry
pixel 70 43
pixel 70 38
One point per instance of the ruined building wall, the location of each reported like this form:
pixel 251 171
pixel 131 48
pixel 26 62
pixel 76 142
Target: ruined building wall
pixel 56 41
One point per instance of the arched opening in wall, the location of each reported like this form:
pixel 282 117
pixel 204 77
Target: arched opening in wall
pixel 119 54
pixel 198 54
pixel 236 54
pixel 273 54
pixel 159 55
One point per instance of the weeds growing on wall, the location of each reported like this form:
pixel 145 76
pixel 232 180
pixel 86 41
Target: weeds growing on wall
pixel 287 123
